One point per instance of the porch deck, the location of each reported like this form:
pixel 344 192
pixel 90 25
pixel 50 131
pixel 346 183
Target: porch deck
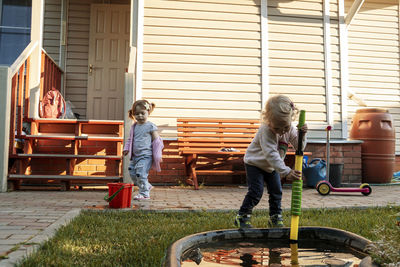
pixel 69 152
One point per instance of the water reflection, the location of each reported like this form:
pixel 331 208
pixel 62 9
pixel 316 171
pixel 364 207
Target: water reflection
pixel 249 254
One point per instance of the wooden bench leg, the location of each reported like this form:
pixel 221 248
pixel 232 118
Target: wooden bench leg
pixel 190 163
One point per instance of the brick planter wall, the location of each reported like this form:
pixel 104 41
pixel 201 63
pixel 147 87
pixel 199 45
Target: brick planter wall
pixel 347 153
pixel 173 171
pixel 173 167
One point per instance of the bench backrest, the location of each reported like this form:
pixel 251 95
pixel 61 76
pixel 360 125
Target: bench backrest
pixel 202 135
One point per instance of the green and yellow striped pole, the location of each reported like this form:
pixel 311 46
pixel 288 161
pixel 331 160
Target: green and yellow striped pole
pixel 297 187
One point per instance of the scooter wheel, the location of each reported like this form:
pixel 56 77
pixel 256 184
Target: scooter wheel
pixel 323 188
pixel 369 189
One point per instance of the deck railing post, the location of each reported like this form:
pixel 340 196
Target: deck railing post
pixel 36 36
pixel 128 101
pixel 5 102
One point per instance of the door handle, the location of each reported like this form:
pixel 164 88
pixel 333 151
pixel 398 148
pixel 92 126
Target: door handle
pixel 91 67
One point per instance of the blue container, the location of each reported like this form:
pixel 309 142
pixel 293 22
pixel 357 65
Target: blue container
pixel 314 172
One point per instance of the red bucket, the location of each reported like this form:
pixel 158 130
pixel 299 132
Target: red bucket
pixel 123 195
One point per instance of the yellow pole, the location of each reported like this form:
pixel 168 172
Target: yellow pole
pixel 297 187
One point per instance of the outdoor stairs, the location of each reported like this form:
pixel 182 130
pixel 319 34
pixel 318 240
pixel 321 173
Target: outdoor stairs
pixel 68 153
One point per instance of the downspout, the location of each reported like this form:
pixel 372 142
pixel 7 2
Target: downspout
pixel 63 42
pixel 36 36
pixel 344 70
pixel 328 61
pixel 264 54
pixel 139 48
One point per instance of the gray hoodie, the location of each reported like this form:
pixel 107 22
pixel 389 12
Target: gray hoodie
pixel 267 150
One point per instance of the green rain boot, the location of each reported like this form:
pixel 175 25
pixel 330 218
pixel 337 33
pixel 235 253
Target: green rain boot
pixel 275 221
pixel 243 221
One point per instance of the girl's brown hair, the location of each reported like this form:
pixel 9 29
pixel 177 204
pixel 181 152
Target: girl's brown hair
pixel 144 104
pixel 279 109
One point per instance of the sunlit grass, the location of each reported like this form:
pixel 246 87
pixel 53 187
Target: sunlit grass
pixel 139 238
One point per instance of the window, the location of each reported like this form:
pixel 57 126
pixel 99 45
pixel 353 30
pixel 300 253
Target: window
pixel 15 29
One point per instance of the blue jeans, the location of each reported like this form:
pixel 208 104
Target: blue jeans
pixel 255 181
pixel 139 168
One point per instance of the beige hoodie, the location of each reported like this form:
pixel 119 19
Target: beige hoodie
pixel 267 150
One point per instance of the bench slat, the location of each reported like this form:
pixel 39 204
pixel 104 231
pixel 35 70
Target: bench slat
pixel 240 126
pixel 216 140
pixel 218 120
pixel 216 130
pixel 216 135
pixel 71 137
pixel 212 151
pixel 213 146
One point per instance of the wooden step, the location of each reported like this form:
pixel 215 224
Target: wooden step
pixel 74 121
pixel 62 177
pixel 66 156
pixel 65 181
pixel 69 137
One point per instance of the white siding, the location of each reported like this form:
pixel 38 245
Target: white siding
pixel 77 54
pixel 202 59
pixel 374 57
pixel 296 60
pixel 51 28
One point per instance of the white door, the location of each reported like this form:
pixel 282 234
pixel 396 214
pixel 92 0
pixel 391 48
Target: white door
pixel 108 60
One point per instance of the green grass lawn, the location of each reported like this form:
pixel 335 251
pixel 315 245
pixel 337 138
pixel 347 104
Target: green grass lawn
pixel 139 238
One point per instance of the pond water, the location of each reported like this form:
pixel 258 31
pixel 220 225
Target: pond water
pixel 273 254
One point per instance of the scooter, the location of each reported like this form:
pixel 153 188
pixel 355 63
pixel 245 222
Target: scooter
pixel 324 187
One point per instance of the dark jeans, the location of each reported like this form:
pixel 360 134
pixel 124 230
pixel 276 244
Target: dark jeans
pixel 255 182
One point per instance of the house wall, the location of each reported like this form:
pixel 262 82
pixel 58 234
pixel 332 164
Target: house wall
pixel 201 59
pixel 373 39
pixel 296 60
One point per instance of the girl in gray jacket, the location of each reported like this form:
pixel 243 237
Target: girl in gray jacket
pixel 264 160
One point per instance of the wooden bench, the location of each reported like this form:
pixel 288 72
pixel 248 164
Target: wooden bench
pixel 221 142
pixel 208 138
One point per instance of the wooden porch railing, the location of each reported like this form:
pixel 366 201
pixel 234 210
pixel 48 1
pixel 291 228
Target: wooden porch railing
pixel 50 78
pixel 50 75
pixel 20 72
